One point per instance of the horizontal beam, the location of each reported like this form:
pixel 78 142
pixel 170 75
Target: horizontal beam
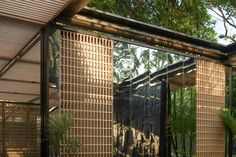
pixel 167 72
pixel 25 81
pixel 20 60
pixel 19 81
pixel 152 29
pixel 133 42
pixel 148 38
pixel 74 7
pixel 18 93
pixel 19 103
pixel 231 49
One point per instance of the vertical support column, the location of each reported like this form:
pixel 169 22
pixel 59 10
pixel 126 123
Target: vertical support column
pixel 44 81
pixel 165 145
pixel 230 142
pixel 210 98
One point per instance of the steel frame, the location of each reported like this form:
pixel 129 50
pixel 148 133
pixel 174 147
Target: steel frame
pixel 230 103
pixel 44 92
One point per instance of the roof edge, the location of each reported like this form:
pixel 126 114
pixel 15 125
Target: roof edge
pixel 105 16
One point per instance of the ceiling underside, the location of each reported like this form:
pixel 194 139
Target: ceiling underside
pixel 20 21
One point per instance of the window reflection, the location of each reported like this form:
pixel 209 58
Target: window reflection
pixel 154 102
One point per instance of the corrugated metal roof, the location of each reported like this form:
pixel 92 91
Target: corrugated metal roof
pixel 24 71
pixel 33 54
pixel 35 11
pixel 20 21
pixel 19 87
pixel 15 97
pixel 14 35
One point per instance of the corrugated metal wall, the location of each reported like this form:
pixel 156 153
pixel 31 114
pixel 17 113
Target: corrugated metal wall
pixel 19 130
pixel 86 92
pixel 210 98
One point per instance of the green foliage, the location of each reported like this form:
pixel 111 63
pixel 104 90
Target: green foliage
pixel 54 49
pixel 228 119
pixel 105 5
pixel 130 60
pixel 121 62
pixel 226 12
pixel 73 145
pixel 58 127
pixel 190 17
pixel 234 92
pixel 183 121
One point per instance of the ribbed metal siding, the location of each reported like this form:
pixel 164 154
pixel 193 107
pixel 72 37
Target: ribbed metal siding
pixel 32 10
pixel 14 35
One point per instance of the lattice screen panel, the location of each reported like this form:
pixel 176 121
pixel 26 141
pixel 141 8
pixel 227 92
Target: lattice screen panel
pixel 210 84
pixel 86 92
pixel 20 130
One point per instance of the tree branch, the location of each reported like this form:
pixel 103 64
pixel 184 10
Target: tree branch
pixel 230 38
pixel 224 18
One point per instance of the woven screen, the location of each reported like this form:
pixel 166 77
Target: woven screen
pixel 86 93
pixel 20 130
pixel 210 84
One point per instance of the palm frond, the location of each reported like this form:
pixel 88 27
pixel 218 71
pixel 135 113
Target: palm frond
pixel 58 126
pixel 228 120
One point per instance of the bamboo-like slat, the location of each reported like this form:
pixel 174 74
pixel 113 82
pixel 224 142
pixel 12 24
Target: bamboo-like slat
pixel 86 93
pixel 20 130
pixel 210 98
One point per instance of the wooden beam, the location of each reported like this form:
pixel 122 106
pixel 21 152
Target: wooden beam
pixel 151 39
pixel 74 7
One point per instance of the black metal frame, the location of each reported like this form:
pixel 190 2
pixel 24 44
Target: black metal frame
pixel 230 103
pixel 165 142
pixel 44 91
